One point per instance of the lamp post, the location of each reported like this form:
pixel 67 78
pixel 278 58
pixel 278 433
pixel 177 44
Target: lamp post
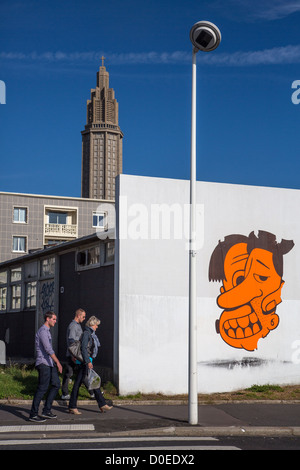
pixel 205 36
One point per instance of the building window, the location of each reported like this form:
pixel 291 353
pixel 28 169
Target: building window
pixel 99 219
pixel 31 294
pixel 16 297
pixel 109 252
pixel 3 298
pixel 15 279
pixel 20 215
pixel 19 244
pixel 54 242
pixel 88 258
pixel 60 224
pixel 58 218
pixel 31 270
pixel 3 291
pixel 48 267
pixel 3 277
pixel 30 277
pixel 16 275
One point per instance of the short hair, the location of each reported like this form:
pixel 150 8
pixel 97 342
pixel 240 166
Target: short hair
pixel 79 311
pixel 49 314
pixel 93 321
pixel 216 265
pixel 264 240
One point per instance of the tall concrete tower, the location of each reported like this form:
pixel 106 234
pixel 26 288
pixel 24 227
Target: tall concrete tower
pixel 101 141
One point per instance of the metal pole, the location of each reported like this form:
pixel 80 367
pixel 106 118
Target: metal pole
pixel 193 391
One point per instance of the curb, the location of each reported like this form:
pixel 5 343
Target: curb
pixel 17 401
pixel 198 431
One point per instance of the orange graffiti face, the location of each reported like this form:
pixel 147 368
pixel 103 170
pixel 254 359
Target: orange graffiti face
pixel 250 293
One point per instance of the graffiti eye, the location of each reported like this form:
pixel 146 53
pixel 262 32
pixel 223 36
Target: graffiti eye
pixel 259 278
pixel 238 278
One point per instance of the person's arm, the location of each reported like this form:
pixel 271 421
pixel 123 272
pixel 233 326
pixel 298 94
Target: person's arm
pixel 59 366
pixel 72 333
pixel 44 339
pixel 84 345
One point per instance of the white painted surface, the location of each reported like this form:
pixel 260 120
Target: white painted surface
pixel 151 303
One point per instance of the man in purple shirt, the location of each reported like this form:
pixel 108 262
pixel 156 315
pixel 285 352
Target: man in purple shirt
pixel 48 375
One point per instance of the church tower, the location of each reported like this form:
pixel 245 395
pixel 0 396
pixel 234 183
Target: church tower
pixel 101 142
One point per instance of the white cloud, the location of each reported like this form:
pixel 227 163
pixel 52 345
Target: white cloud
pixel 276 9
pixel 275 56
pixel 253 10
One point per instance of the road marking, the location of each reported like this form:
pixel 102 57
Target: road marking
pixel 178 448
pixel 47 427
pixel 102 440
pixel 121 440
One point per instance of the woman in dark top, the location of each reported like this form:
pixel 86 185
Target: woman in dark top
pixel 89 349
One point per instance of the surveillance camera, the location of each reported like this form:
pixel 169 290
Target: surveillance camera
pixel 205 36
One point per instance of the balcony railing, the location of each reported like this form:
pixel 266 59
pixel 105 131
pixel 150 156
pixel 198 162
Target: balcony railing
pixel 61 230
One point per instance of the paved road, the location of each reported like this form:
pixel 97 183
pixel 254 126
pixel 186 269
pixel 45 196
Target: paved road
pixel 232 417
pixel 267 424
pixel 183 450
pixel 156 445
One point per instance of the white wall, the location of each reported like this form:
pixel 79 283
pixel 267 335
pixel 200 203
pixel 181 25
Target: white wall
pixel 151 303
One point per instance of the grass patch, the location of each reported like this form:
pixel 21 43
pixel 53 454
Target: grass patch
pixel 264 392
pixel 20 382
pixel 265 388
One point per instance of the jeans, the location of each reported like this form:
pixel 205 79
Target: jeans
pixel 71 368
pixel 69 372
pixel 47 376
pixel 81 376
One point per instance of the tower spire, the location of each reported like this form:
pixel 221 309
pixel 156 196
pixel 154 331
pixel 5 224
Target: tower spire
pixel 101 141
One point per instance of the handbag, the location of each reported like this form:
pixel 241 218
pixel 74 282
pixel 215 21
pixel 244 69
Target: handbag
pixel 75 350
pixel 93 380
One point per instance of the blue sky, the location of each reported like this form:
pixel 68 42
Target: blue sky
pixel 247 124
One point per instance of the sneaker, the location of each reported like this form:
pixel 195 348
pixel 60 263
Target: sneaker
pixel 48 415
pixel 65 397
pixel 36 419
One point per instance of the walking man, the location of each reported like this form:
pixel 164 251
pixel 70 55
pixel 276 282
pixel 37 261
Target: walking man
pixel 74 333
pixel 48 372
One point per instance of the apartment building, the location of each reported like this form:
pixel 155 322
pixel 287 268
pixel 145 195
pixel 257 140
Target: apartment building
pixel 32 222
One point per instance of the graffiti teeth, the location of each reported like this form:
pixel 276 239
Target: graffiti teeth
pixel 253 317
pixel 243 321
pixel 243 327
pixel 231 333
pixel 248 332
pixel 233 323
pixel 240 333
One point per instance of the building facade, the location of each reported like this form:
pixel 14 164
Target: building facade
pixel 101 142
pixel 31 222
pixel 248 277
pixel 248 300
pixel 62 278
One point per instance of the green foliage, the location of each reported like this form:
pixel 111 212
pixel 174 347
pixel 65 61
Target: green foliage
pixel 265 388
pixel 20 382
pixel 17 381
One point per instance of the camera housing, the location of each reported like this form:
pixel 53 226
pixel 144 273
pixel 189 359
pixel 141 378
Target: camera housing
pixel 205 36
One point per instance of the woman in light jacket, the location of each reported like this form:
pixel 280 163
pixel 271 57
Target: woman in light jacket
pixel 89 349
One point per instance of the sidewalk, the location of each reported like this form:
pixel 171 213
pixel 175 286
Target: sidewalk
pixel 260 418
